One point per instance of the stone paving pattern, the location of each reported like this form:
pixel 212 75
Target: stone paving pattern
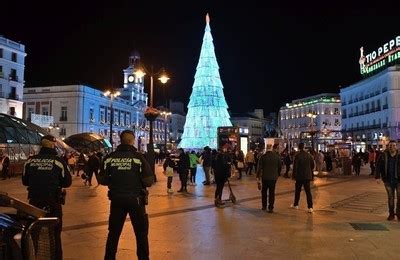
pixel 188 226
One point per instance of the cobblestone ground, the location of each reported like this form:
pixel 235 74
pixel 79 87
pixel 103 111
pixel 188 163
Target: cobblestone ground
pixel 188 226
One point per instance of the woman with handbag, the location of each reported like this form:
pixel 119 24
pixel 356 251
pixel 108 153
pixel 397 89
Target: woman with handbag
pixel 169 167
pixel 239 162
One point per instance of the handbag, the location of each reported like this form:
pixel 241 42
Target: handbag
pixel 169 172
pixel 240 164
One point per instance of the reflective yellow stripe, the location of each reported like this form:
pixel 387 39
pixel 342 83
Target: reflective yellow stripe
pixel 28 161
pixel 105 163
pixel 61 166
pixel 137 161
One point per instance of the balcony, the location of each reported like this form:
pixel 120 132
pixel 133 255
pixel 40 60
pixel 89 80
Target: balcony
pixel 63 118
pixel 13 77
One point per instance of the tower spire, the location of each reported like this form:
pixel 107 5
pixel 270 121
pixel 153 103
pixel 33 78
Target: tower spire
pixel 207 18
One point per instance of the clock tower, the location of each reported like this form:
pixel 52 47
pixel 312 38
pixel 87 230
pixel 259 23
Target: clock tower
pixel 133 86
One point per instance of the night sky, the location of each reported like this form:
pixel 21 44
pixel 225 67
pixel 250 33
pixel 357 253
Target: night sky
pixel 267 56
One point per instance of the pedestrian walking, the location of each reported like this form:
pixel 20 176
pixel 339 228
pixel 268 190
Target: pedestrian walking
pixel 372 156
pixel 71 162
pixel 127 174
pixel 206 162
pixel 46 174
pixel 93 165
pixel 4 165
pixel 356 161
pixel 388 166
pixel 249 162
pixel 169 167
pixel 287 159
pixel 183 169
pixel 222 173
pixel 268 170
pixel 239 162
pixel 194 160
pixel 303 166
pixel 81 163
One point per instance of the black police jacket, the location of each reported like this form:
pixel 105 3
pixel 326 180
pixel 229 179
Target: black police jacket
pixel 45 174
pixel 126 172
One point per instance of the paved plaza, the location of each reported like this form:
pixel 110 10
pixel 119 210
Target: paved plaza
pixel 188 226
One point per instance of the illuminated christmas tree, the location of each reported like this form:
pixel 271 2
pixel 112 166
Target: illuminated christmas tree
pixel 207 108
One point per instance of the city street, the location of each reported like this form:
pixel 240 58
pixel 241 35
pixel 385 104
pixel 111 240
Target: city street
pixel 188 226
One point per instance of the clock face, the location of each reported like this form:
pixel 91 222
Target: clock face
pixel 131 78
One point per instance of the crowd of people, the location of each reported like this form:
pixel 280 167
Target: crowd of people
pixel 127 174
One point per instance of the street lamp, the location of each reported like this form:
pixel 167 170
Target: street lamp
pixel 312 116
pixel 165 114
pixel 112 94
pixel 151 113
pixel 52 125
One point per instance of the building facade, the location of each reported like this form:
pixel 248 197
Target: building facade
pixel 314 120
pixel 371 109
pixel 12 69
pixel 77 109
pixel 72 109
pixel 253 121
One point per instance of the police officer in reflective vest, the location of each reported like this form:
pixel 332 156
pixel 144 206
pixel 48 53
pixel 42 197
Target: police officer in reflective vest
pixel 46 174
pixel 127 174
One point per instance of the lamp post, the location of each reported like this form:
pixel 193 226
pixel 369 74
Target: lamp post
pixel 165 114
pixel 151 113
pixel 312 116
pixel 112 94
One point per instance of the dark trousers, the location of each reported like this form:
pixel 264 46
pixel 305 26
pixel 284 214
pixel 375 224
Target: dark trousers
pixel 306 184
pixel 193 174
pixel 207 173
pixel 54 209
pixel 169 182
pixel 90 175
pixel 391 190
pixel 372 166
pixel 268 192
pixel 183 177
pixel 119 208
pixel 250 166
pixel 287 170
pixel 357 169
pixel 219 189
pixel 329 166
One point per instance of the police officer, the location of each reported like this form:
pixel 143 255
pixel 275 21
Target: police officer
pixel 127 175
pixel 46 174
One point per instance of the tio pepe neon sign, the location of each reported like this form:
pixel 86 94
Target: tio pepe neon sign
pixel 385 54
